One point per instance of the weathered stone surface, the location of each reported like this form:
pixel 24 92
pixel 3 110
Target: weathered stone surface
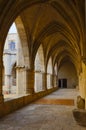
pixel 80 102
pixel 18 102
pixel 80 116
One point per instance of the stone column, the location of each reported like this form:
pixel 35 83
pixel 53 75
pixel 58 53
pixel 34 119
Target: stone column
pixel 82 82
pixel 25 80
pixel 20 80
pixel 44 81
pixel 55 80
pixel 38 86
pixel 8 84
pixel 52 81
pixel 30 81
pixel 1 95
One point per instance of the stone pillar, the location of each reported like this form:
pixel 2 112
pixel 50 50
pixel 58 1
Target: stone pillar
pixel 20 80
pixel 52 81
pixel 8 83
pixel 25 80
pixel 82 82
pixel 1 95
pixel 30 81
pixel 49 81
pixel 44 81
pixel 38 86
pixel 55 80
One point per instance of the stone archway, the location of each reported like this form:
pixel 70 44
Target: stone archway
pixel 9 59
pixel 20 54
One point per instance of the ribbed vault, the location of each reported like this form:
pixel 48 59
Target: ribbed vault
pixel 59 26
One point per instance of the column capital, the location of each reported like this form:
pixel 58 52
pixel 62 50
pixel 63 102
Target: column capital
pixel 25 68
pixel 20 67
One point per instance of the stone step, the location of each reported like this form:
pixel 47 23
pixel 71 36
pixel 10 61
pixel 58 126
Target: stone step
pixel 69 102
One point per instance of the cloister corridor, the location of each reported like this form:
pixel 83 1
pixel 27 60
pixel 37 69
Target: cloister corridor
pixel 43 65
pixel 40 115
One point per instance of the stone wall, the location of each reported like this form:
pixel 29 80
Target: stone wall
pixel 67 71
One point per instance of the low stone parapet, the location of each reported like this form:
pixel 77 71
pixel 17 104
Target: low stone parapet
pixel 19 102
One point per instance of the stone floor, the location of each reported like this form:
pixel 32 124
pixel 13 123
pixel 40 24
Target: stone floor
pixel 43 117
pixel 60 97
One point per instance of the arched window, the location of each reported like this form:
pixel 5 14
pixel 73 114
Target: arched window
pixel 12 45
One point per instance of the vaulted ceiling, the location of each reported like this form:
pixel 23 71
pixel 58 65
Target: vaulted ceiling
pixel 59 25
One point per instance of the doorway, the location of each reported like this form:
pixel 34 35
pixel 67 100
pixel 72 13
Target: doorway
pixel 63 83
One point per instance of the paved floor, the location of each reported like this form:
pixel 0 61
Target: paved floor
pixel 60 97
pixel 43 117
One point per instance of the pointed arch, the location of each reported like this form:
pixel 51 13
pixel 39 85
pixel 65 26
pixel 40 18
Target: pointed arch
pixel 23 41
pixel 39 59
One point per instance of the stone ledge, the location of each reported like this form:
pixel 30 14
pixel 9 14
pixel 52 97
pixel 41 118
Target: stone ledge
pixel 80 116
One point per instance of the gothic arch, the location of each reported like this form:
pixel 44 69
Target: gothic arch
pixel 23 41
